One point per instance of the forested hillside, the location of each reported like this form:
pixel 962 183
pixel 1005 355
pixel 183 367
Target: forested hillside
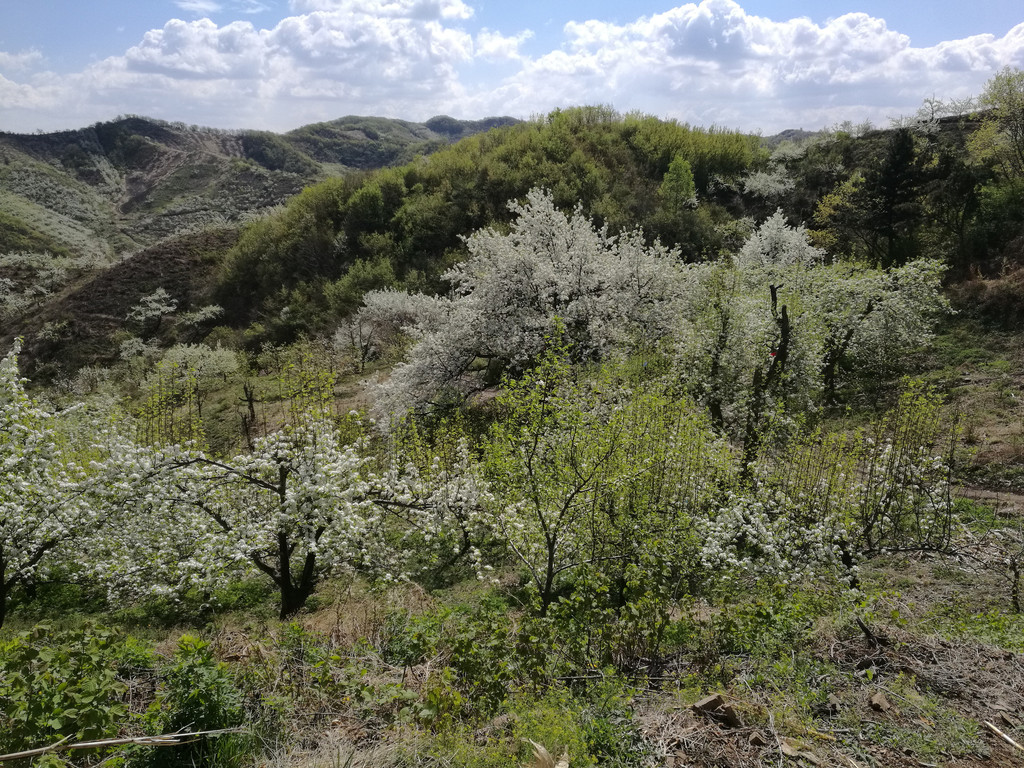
pixel 114 187
pixel 75 203
pixel 596 436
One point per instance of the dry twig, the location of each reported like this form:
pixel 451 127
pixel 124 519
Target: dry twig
pixel 164 740
pixel 1004 736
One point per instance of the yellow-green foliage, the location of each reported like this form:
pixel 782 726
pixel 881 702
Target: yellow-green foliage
pixel 415 215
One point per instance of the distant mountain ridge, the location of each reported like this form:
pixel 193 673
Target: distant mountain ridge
pixel 116 187
pixel 93 218
pixel 367 143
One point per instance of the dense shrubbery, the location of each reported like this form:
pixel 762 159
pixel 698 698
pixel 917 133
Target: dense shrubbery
pixel 885 199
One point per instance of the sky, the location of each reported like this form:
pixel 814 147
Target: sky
pixel 755 65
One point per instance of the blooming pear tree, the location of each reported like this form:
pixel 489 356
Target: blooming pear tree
pixel 608 292
pixel 150 311
pixel 385 319
pixel 47 477
pixel 292 509
pixel 867 319
pixel 775 332
pixel 303 504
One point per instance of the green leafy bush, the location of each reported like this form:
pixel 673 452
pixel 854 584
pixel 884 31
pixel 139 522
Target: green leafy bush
pixel 198 693
pixel 56 685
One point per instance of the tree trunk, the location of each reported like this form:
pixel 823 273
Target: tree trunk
pixel 293 598
pixel 714 402
pixel 5 589
pixel 547 591
pixel 763 385
pixel 294 595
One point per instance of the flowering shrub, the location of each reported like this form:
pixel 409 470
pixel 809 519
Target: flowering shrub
pixel 49 467
pixel 607 292
pixel 302 504
pixel 778 332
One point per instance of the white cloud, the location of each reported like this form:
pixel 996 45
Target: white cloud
pixel 19 62
pixel 707 62
pixel 313 66
pixel 713 62
pixel 199 7
pixel 200 49
pixel 423 10
pixel 493 45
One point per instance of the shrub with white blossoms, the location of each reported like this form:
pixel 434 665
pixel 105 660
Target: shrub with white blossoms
pixel 436 493
pixel 607 291
pixel 49 469
pixel 302 505
pixel 779 330
pixel 817 506
pixel 763 535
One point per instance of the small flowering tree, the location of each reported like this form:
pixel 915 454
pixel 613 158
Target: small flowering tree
pixel 303 504
pixel 150 311
pixel 775 333
pixel 46 479
pixel 608 292
pixel 293 509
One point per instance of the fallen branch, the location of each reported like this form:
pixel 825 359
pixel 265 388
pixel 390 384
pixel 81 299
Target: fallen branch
pixel 1004 737
pixel 875 640
pixel 165 740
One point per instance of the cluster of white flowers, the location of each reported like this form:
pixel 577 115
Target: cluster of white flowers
pixel 385 317
pixel 767 535
pixel 552 267
pixel 842 319
pixel 46 482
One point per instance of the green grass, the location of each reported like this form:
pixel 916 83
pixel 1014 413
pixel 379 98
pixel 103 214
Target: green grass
pixel 924 728
pixel 959 621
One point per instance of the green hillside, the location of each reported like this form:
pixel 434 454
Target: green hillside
pixel 884 197
pixel 125 184
pixel 115 187
pixel 366 143
pixel 412 217
pixel 74 204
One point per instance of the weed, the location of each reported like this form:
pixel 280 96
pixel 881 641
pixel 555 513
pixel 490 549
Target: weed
pixel 61 684
pixel 197 693
pixel 956 620
pixel 798 688
pixel 924 727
